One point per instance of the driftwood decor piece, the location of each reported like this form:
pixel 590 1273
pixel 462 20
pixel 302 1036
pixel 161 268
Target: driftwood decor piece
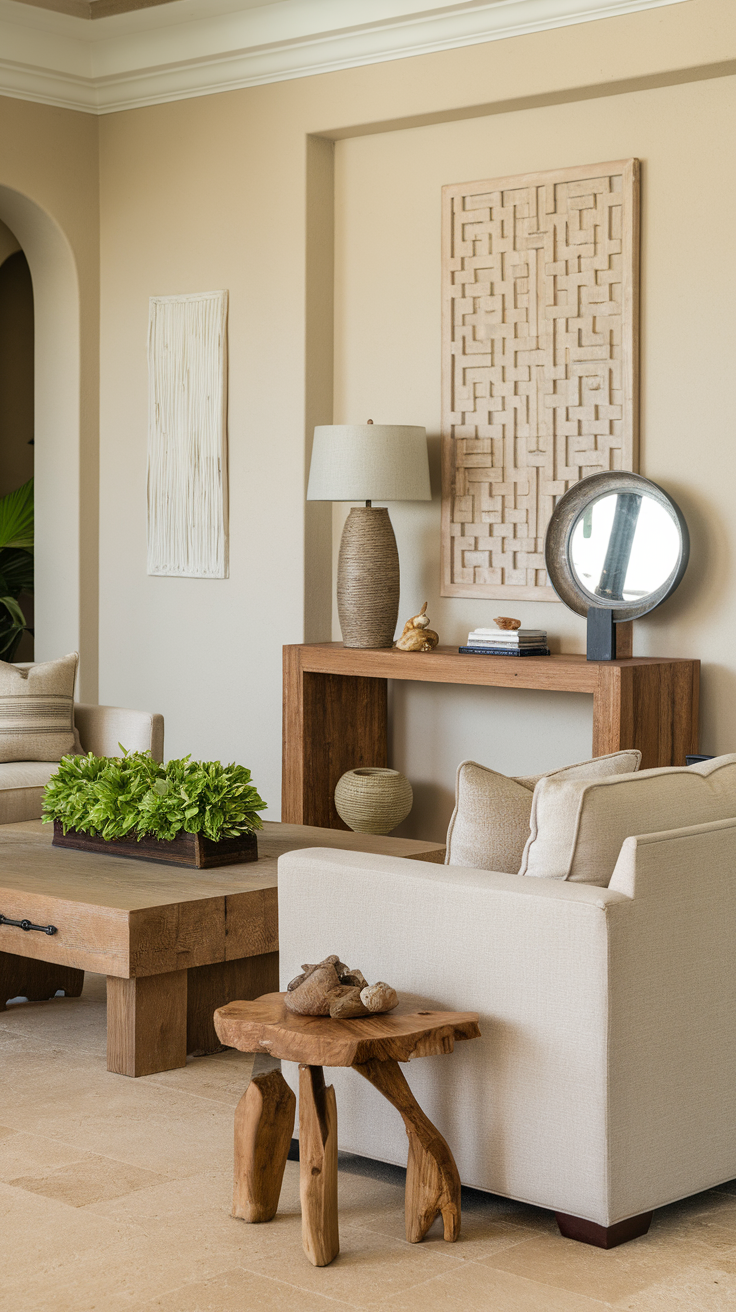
pixel 540 362
pixel 187 436
pixel 332 989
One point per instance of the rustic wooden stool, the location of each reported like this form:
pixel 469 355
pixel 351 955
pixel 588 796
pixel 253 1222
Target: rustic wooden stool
pixel 264 1118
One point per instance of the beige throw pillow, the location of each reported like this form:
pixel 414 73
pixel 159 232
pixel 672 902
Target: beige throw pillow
pixel 490 823
pixel 578 826
pixel 37 710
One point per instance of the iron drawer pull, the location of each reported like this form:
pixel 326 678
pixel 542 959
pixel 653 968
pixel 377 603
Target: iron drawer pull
pixel 27 924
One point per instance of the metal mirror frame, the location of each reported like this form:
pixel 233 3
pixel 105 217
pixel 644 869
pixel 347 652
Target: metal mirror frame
pixel 559 534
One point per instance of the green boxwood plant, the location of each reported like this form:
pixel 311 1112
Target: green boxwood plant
pixel 119 796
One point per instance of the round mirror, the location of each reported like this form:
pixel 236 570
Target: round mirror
pixel 616 541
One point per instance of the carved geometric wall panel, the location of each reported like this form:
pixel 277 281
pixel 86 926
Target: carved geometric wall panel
pixel 187 435
pixel 539 362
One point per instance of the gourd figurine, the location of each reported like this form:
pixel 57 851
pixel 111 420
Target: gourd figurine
pixel 417 635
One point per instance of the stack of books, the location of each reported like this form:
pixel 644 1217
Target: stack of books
pixel 506 642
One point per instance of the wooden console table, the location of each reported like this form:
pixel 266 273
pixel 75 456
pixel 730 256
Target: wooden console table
pixel 335 708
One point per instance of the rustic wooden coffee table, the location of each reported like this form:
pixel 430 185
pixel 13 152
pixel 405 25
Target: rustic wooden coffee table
pixel 264 1118
pixel 173 943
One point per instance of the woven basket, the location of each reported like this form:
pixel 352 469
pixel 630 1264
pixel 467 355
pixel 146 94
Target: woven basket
pixel 372 800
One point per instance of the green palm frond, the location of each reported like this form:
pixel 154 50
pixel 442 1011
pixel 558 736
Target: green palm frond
pixel 14 611
pixel 16 571
pixel 12 625
pixel 16 518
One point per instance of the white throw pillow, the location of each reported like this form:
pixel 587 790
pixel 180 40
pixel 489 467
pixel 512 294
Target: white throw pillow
pixel 578 826
pixel 37 709
pixel 490 823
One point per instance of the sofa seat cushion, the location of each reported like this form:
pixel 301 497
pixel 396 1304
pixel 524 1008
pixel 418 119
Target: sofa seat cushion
pixel 577 826
pixel 490 823
pixel 26 774
pixel 21 789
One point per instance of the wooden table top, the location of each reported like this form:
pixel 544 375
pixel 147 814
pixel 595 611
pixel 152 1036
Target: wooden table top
pixel 30 864
pixel 561 672
pixel 265 1025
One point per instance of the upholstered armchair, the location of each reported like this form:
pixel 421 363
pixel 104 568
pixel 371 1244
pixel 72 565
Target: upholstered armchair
pixel 100 729
pixel 603 969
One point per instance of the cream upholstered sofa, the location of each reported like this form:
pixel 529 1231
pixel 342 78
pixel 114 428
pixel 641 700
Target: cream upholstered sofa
pixel 100 730
pixel 604 1084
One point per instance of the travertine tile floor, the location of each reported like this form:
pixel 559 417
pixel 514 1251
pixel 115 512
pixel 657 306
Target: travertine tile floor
pixel 115 1194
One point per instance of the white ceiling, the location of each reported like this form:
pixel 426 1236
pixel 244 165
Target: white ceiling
pixel 196 47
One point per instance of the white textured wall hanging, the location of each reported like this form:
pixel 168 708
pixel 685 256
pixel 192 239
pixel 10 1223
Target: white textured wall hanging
pixel 540 362
pixel 187 435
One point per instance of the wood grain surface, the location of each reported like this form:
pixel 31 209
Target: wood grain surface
pixel 221 982
pixel 147 1024
pixel 338 723
pixel 94 8
pixel 318 1166
pixel 265 1025
pixel 130 919
pixel 330 725
pixel 28 862
pixel 264 1124
pixel 191 851
pixel 432 1179
pixel 22 977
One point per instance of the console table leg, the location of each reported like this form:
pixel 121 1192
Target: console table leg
pixel 332 723
pixel 318 1166
pixel 147 1023
pixel 432 1180
pixel 264 1124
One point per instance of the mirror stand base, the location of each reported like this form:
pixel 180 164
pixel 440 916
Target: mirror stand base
pixel 601 645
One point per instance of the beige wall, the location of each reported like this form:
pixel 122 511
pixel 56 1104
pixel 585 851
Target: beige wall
pixel 226 191
pixel 387 363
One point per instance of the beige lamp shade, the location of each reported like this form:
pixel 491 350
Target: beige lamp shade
pixel 369 462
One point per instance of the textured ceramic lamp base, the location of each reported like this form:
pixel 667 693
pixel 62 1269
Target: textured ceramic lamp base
pixel 368 579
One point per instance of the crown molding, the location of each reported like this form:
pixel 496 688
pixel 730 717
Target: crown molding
pixel 51 64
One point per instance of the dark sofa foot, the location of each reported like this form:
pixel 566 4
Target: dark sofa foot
pixel 603 1236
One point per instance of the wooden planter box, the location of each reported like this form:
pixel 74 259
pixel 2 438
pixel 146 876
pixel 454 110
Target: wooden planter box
pixel 191 850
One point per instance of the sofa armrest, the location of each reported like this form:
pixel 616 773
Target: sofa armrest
pixel 672 1033
pixel 463 939
pixel 677 861
pixel 302 868
pixel 103 728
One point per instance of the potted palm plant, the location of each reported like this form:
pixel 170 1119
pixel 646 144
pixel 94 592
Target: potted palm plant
pixel 16 565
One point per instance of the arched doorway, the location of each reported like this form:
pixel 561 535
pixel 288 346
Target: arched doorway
pixel 65 611
pixel 16 440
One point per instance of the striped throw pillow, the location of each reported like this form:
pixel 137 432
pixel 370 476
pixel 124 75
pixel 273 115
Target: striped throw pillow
pixel 37 710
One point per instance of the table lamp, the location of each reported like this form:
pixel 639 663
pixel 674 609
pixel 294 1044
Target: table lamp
pixel 368 462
